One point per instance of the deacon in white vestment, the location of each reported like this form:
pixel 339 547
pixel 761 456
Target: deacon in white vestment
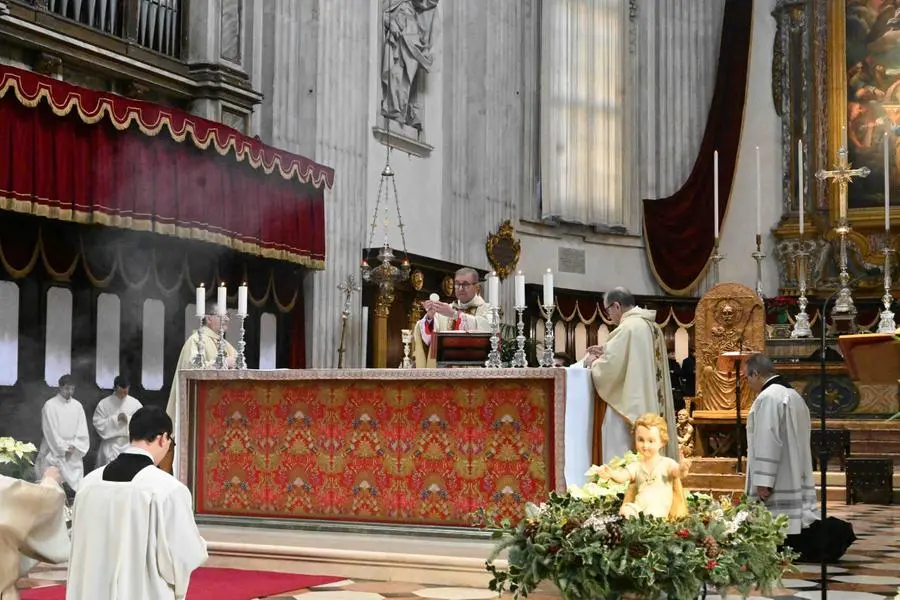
pixel 66 438
pixel 630 373
pixel 111 421
pixel 779 459
pixel 469 313
pixel 32 527
pixel 133 530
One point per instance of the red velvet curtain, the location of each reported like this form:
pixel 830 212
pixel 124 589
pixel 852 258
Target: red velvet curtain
pixel 679 229
pixel 77 155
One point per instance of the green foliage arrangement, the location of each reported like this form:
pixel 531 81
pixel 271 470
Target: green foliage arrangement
pixel 16 458
pixel 580 543
pixel 508 346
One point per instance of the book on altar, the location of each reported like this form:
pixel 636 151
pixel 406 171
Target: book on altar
pixel 871 357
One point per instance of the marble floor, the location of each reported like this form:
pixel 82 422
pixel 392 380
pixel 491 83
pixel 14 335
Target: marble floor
pixel 870 570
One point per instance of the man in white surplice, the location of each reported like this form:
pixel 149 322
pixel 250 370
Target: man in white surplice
pixel 111 421
pixel 133 530
pixel 779 460
pixel 66 438
pixel 630 373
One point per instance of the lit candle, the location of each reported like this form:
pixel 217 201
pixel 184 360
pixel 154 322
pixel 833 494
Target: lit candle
pixel 758 196
pixel 716 194
pixel 221 301
pixel 493 289
pixel 520 289
pixel 201 301
pixel 548 288
pixel 887 183
pixel 242 300
pixel 800 182
pixel 844 137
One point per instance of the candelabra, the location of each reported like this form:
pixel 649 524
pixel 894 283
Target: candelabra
pixel 546 359
pixel 759 256
pixel 886 323
pixel 406 336
pixel 220 354
pixel 716 259
pixel 801 323
pixel 197 360
pixel 240 361
pixel 519 359
pixel 844 308
pixel 493 361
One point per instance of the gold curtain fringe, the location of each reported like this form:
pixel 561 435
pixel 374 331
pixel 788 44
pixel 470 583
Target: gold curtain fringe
pixel 96 281
pixel 29 266
pixel 64 275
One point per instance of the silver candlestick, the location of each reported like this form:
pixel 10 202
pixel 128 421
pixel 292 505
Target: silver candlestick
pixel 240 361
pixel 493 361
pixel 886 323
pixel 546 359
pixel 759 256
pixel 844 308
pixel 519 360
pixel 220 354
pixel 197 360
pixel 716 259
pixel 406 336
pixel 801 323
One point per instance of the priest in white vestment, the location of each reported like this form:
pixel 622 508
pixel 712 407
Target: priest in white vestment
pixel 32 527
pixel 630 373
pixel 469 313
pixel 111 421
pixel 133 530
pixel 66 437
pixel 779 459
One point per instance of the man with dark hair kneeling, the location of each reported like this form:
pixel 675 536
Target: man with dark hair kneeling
pixel 133 533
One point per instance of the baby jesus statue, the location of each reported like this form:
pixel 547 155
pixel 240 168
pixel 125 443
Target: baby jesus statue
pixel 655 480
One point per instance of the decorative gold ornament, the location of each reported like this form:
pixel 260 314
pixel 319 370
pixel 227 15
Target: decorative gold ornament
pixel 503 250
pixel 447 285
pixel 417 279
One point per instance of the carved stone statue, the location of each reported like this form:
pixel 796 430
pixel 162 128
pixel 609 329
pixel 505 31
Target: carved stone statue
pixel 730 318
pixel 408 25
pixel 685 433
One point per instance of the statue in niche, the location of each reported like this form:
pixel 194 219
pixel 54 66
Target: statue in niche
pixel 408 25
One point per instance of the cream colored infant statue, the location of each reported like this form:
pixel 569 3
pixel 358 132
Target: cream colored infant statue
pixel 655 480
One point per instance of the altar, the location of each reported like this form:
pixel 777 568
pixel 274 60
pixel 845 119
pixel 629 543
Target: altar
pixel 418 447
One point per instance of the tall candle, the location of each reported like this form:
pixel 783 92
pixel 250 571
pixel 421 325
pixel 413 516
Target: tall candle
pixel 548 288
pixel 758 196
pixel 800 182
pixel 520 289
pixel 887 183
pixel 201 301
pixel 221 301
pixel 844 137
pixel 242 300
pixel 716 194
pixel 493 289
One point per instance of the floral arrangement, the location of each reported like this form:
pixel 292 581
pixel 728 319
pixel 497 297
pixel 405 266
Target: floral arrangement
pixel 16 457
pixel 580 542
pixel 778 307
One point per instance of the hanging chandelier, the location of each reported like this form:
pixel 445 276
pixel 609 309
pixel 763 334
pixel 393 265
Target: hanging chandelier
pixel 385 273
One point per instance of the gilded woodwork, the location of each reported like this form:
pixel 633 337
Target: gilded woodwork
pixel 503 250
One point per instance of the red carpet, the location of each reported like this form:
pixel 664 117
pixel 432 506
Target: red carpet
pixel 209 583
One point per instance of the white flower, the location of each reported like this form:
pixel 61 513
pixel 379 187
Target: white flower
pixel 533 511
pixel 597 521
pixel 736 522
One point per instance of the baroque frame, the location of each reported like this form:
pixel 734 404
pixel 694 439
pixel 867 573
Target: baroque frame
pixel 503 250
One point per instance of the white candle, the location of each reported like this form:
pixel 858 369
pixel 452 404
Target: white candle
pixel 887 183
pixel 364 338
pixel 800 182
pixel 520 289
pixel 493 289
pixel 221 301
pixel 844 137
pixel 242 300
pixel 201 301
pixel 758 196
pixel 716 194
pixel 548 288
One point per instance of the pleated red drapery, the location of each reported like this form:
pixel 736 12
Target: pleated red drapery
pixel 679 229
pixel 74 154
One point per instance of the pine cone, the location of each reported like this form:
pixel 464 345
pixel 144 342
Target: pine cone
pixel 712 547
pixel 530 530
pixel 614 534
pixel 637 550
pixel 570 526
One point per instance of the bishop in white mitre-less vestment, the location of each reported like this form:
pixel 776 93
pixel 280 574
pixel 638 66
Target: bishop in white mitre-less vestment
pixel 111 423
pixel 66 438
pixel 778 453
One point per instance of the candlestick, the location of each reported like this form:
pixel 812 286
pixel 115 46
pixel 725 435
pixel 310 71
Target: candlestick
pixel 406 337
pixel 716 194
pixel 716 259
pixel 887 183
pixel 201 301
pixel 519 359
pixel 197 358
pixel 886 322
pixel 844 307
pixel 242 300
pixel 758 197
pixel 222 302
pixel 800 183
pixel 493 289
pixel 220 349
pixel 240 361
pixel 520 289
pixel 548 288
pixel 801 327
pixel 493 361
pixel 758 256
pixel 546 359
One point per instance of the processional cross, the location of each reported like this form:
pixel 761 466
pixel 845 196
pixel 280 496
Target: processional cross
pixel 347 288
pixel 843 174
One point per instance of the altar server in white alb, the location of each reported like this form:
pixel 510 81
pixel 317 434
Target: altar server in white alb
pixel 111 421
pixel 779 461
pixel 133 530
pixel 66 438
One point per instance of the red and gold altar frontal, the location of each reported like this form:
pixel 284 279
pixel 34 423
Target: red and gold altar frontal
pixel 424 447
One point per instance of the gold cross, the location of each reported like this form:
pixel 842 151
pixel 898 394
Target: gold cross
pixel 842 174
